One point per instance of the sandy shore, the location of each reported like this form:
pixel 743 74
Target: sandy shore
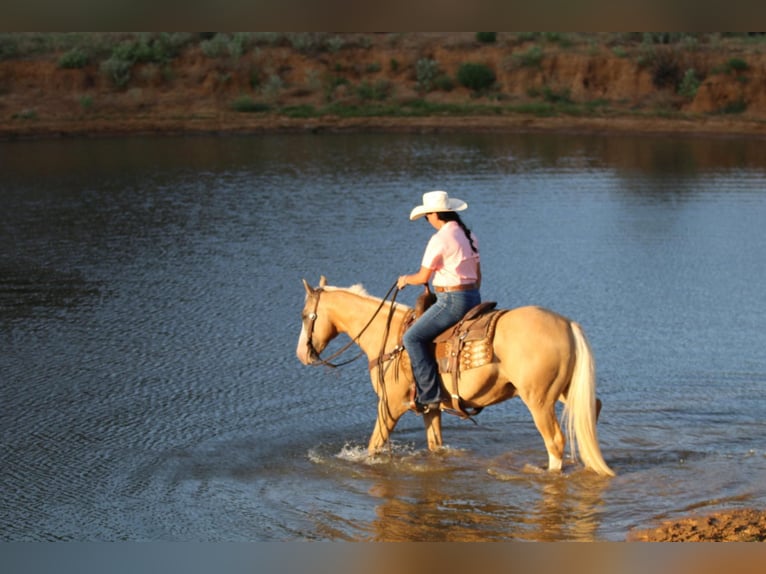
pixel 234 123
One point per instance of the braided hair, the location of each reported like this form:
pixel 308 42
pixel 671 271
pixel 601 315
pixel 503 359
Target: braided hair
pixel 453 216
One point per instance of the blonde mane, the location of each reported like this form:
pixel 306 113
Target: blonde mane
pixel 359 289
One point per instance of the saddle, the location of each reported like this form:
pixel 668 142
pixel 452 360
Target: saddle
pixel 466 345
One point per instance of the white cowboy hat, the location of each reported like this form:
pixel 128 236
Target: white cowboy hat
pixel 434 201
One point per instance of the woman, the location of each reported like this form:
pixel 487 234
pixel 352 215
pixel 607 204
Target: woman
pixel 451 258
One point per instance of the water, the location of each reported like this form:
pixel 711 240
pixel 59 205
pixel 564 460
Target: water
pixel 150 295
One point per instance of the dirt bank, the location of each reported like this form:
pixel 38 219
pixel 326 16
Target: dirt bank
pixel 742 525
pixel 387 82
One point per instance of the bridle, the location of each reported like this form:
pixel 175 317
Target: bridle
pixel 309 321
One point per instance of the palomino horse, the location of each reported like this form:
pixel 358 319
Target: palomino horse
pixel 539 355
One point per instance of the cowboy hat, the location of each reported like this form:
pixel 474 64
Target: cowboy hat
pixel 434 201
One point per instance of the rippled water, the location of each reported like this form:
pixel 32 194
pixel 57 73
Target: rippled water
pixel 150 291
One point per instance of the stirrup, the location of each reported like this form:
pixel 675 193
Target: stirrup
pixel 423 408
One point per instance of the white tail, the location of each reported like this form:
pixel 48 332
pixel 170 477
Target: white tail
pixel 580 408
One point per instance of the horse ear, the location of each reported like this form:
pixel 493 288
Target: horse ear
pixel 308 288
pixel 322 281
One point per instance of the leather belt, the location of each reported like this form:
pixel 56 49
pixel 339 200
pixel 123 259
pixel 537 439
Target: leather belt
pixel 464 287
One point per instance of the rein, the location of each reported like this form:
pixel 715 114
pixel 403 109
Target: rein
pixel 312 317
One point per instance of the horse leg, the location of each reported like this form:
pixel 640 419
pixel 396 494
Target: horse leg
pixel 432 420
pixel 548 425
pixel 384 425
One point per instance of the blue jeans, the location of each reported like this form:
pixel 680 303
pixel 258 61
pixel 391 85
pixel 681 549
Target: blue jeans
pixel 418 339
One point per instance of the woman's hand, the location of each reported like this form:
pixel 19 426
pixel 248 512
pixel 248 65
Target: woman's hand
pixel 420 278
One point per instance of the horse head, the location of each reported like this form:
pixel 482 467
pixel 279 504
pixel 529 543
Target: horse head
pixel 317 327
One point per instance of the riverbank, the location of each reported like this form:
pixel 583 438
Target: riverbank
pixel 80 85
pixel 228 123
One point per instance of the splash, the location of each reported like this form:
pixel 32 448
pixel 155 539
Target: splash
pixel 396 453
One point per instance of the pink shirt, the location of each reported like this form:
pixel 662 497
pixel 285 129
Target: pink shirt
pixel 450 255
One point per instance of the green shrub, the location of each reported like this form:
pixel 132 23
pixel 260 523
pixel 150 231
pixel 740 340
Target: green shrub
pixel 662 37
pixel 216 46
pixel 620 52
pixel 238 44
pixel 477 77
pixel 532 58
pixel 380 90
pixel 426 71
pixel 555 37
pixel 528 36
pixel 690 42
pixel 27 114
pixel 444 83
pixel 151 48
pixel 170 44
pixel 302 111
pixel 74 58
pixel 267 38
pixel 330 83
pixel 118 70
pixel 142 50
pixel 9 46
pixel 307 42
pixel 689 84
pixel 248 105
pixel 335 43
pixel 486 37
pixel 737 65
pixel 86 102
pixel 562 96
pixel 735 107
pixel 222 45
pixel 273 86
pixel 364 42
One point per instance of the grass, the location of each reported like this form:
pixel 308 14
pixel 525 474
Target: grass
pixel 423 108
pixel 28 114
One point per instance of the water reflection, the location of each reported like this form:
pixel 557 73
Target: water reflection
pixel 439 504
